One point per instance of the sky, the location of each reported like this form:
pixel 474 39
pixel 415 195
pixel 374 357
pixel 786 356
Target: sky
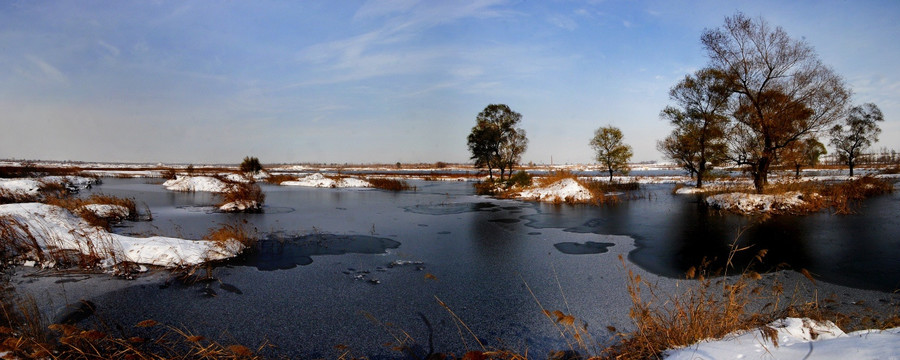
pixel 382 81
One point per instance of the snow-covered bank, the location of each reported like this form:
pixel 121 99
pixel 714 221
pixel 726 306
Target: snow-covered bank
pixel 197 183
pixel 757 203
pixel 54 228
pixel 797 339
pixel 321 181
pixel 32 186
pixel 565 190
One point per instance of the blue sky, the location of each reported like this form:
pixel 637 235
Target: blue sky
pixel 381 81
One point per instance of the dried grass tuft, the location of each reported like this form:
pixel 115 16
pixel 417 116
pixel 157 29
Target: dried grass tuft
pixel 388 184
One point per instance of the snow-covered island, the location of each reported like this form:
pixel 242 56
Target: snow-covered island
pixel 44 230
pixel 565 190
pixel 321 181
pixel 197 183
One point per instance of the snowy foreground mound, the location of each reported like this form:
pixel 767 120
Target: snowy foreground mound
pixel 797 339
pixel 55 228
pixel 757 203
pixel 563 190
pixel 320 181
pixel 197 183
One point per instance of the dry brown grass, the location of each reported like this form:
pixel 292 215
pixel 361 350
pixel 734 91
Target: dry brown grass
pixel 11 197
pixel 388 184
pixel 554 176
pixel 29 170
pixel 78 206
pixel 705 309
pixel 239 231
pixel 277 179
pixel 147 340
pixel 845 197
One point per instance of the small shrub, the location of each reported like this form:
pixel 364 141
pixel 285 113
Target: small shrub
pixel 168 174
pixel 520 179
pixel 485 188
pixel 440 165
pixel 251 165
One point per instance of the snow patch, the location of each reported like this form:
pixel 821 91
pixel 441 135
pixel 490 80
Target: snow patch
pixel 108 211
pixel 197 183
pixel 320 181
pixel 756 203
pixel 797 339
pixel 563 190
pixel 21 187
pixel 241 205
pixel 54 227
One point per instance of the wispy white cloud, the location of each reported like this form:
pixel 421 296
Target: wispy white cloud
pixel 389 49
pixel 45 71
pixel 563 21
pixel 113 51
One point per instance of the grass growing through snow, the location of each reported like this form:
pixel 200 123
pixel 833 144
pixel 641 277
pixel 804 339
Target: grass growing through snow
pixel 841 197
pixel 248 194
pixel 121 209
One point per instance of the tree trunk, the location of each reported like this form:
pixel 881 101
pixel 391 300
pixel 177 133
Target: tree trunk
pixel 610 174
pixel 851 167
pixel 491 173
pixel 761 174
pixel 700 174
pixel 797 173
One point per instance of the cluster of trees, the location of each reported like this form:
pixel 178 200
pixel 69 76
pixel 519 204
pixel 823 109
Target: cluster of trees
pixel 762 100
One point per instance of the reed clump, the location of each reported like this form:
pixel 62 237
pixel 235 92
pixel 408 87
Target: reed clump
pixel 237 231
pixel 388 184
pixel 244 196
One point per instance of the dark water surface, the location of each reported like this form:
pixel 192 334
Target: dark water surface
pixel 362 267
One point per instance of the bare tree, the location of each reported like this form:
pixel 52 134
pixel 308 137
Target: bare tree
pixel 858 132
pixel 610 150
pixel 782 91
pixel 698 141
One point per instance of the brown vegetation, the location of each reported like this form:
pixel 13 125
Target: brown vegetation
pixel 23 335
pixel 235 231
pixel 841 197
pixel 388 184
pixel 249 195
pixel 78 206
pixel 277 179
